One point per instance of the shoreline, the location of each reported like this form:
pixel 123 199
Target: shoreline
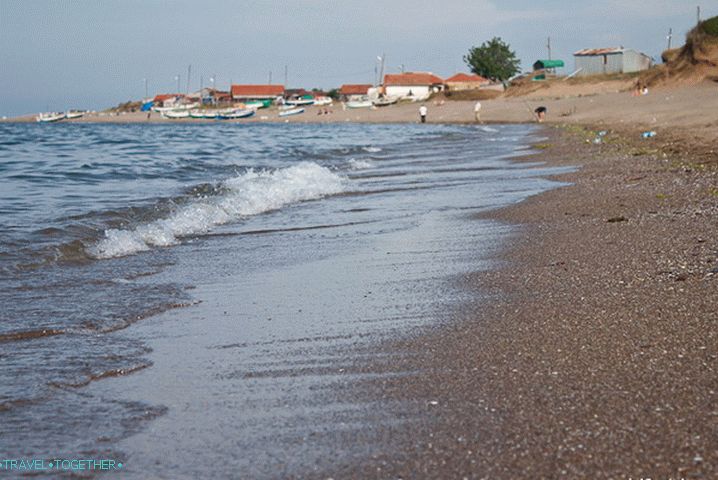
pixel 677 115
pixel 596 357
pixel 255 388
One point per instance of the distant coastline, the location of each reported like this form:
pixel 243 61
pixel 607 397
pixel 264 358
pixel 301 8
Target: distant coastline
pixel 671 112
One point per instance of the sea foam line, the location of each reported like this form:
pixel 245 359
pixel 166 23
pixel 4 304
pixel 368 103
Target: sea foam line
pixel 248 194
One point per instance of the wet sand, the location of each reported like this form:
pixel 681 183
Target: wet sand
pixel 257 380
pixel 596 357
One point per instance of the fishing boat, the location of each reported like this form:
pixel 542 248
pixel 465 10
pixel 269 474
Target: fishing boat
pixel 259 104
pixel 298 102
pixel 176 108
pixel 204 114
pixel 384 101
pixel 174 114
pixel 359 104
pixel 71 114
pixel 243 113
pixel 322 101
pixel 293 111
pixel 49 117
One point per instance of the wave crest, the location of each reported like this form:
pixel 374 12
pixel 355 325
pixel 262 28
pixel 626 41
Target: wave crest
pixel 248 194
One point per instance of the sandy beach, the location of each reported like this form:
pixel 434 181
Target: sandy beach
pixel 473 240
pixel 678 114
pixel 596 358
pixel 595 355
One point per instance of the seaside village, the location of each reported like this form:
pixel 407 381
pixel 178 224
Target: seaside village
pixel 245 100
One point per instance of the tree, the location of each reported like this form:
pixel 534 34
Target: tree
pixel 493 59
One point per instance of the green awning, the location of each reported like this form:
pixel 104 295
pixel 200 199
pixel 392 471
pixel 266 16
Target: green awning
pixel 542 64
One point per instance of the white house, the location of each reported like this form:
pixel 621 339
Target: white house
pixel 414 85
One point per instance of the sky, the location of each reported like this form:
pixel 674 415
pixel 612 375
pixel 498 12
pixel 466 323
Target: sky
pixel 89 54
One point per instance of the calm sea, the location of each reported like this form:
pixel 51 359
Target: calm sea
pixel 239 262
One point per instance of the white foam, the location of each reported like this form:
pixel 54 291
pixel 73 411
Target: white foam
pixel 488 129
pixel 251 193
pixel 371 149
pixel 355 164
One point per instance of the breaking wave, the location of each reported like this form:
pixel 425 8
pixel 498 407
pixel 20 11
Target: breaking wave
pixel 248 194
pixel 372 149
pixel 355 164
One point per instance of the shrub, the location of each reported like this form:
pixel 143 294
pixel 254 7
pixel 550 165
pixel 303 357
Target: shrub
pixel 710 26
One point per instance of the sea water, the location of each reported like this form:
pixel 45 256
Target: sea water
pixel 185 293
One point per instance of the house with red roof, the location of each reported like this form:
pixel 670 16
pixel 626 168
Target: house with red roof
pixel 354 91
pixel 465 81
pixel 256 92
pixel 414 85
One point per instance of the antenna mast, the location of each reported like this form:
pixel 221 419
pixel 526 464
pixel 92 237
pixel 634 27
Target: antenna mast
pixel 548 46
pixel 189 74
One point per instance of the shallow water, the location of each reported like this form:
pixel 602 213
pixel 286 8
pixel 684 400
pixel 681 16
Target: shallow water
pixel 178 292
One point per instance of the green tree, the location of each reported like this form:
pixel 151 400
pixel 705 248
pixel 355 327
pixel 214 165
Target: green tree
pixel 493 59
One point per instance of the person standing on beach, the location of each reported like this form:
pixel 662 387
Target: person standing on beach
pixel 477 111
pixel 422 113
pixel 540 113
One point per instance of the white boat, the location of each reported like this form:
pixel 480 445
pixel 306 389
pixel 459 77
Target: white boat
pixel 322 101
pixel 173 114
pixel 176 108
pixel 384 101
pixel 71 114
pixel 287 107
pixel 299 102
pixel 206 114
pixel 162 109
pixel 359 104
pixel 243 113
pixel 48 117
pixel 293 111
pixel 257 104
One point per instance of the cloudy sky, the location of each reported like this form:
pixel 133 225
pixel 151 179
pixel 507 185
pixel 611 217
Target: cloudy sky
pixel 92 54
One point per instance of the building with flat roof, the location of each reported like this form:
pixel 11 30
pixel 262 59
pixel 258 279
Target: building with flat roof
pixel 602 61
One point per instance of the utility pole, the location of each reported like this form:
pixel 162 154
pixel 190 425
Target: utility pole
pixel 402 68
pixel 669 37
pixel 381 71
pixel 548 46
pixel 698 14
pixel 189 74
